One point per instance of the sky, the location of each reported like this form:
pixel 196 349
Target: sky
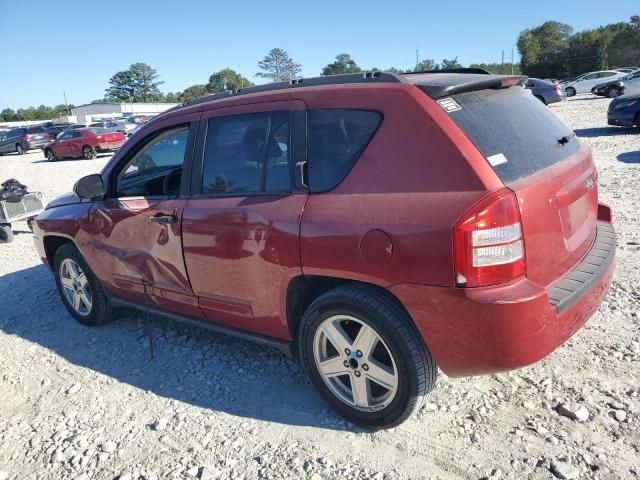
pixel 76 46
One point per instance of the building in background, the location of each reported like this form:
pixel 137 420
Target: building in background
pixel 93 112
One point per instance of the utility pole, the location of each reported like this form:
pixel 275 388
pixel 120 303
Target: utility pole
pixel 65 102
pixel 502 64
pixel 417 58
pixel 512 61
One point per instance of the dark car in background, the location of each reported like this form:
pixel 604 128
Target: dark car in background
pixel 544 91
pixel 618 87
pixel 624 111
pixel 23 139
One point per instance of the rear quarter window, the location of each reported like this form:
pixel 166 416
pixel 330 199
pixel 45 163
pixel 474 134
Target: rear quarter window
pixel 517 133
pixel 335 140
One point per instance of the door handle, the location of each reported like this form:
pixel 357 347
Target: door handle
pixel 163 219
pixel 300 173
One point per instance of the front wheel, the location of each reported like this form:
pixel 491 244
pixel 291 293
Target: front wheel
pixel 19 149
pixel 88 153
pixel 571 92
pixel 79 288
pixel 365 356
pixel 50 155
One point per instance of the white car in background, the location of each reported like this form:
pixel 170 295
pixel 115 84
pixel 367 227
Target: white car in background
pixel 585 82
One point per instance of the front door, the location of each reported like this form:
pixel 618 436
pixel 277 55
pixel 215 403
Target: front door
pixel 241 225
pixel 136 231
pixel 61 146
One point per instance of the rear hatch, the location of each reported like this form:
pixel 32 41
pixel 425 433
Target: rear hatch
pixel 111 137
pixel 542 161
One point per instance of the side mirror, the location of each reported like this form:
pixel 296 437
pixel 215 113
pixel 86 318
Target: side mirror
pixel 90 187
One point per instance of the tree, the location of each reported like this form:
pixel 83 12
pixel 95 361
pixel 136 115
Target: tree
pixel 278 66
pixel 498 68
pixel 544 49
pixel 447 64
pixel 227 79
pixel 194 91
pixel 425 65
pixel 343 64
pixel 8 115
pixel 635 21
pixel 171 97
pixel 137 84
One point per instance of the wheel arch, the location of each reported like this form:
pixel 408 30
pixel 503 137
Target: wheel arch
pixel 304 289
pixel 51 245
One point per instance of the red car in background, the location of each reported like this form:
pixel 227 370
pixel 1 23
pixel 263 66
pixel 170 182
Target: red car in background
pixel 85 143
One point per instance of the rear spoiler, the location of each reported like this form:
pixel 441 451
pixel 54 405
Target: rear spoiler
pixel 469 83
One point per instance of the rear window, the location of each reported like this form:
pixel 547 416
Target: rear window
pixel 98 130
pixel 336 139
pixel 516 133
pixel 37 129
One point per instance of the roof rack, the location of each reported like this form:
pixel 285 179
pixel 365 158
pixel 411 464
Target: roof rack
pixel 364 77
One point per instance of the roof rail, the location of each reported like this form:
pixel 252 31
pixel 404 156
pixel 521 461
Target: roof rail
pixel 364 77
pixel 481 71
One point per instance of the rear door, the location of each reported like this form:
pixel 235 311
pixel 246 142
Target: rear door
pixel 241 225
pixel 551 172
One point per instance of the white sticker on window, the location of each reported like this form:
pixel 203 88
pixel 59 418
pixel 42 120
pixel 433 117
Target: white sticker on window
pixel 497 159
pixel 449 104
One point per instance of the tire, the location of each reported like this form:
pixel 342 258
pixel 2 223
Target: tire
pixel 570 91
pixel 19 149
pixel 398 356
pixel 613 92
pixel 541 99
pixel 88 152
pixel 50 155
pixel 99 312
pixel 636 122
pixel 6 234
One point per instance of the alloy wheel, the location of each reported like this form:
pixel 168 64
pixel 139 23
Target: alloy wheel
pixel 75 287
pixel 355 363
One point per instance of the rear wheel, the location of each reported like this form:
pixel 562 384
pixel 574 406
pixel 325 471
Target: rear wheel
pixel 19 149
pixel 6 234
pixel 88 152
pixel 636 122
pixel 79 288
pixel 364 355
pixel 570 91
pixel 613 92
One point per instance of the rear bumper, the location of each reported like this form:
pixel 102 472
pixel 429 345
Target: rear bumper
pixel 108 147
pixel 31 145
pixel 486 330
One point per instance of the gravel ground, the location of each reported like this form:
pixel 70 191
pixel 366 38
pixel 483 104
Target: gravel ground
pixel 81 403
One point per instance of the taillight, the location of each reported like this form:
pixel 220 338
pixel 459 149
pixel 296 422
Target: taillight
pixel 487 242
pixel 26 138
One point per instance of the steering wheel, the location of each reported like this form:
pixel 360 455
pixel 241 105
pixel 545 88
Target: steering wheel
pixel 172 181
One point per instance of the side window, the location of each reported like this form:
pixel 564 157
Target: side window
pixel 247 154
pixel 66 136
pixel 144 174
pixel 76 134
pixel 336 139
pixel 606 74
pixel 591 76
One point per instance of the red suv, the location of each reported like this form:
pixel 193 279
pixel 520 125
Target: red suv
pixel 374 224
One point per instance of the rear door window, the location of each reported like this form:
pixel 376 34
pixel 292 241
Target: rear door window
pixel 248 154
pixel 336 139
pixel 516 133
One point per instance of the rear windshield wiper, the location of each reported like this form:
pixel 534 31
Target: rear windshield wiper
pixel 564 140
